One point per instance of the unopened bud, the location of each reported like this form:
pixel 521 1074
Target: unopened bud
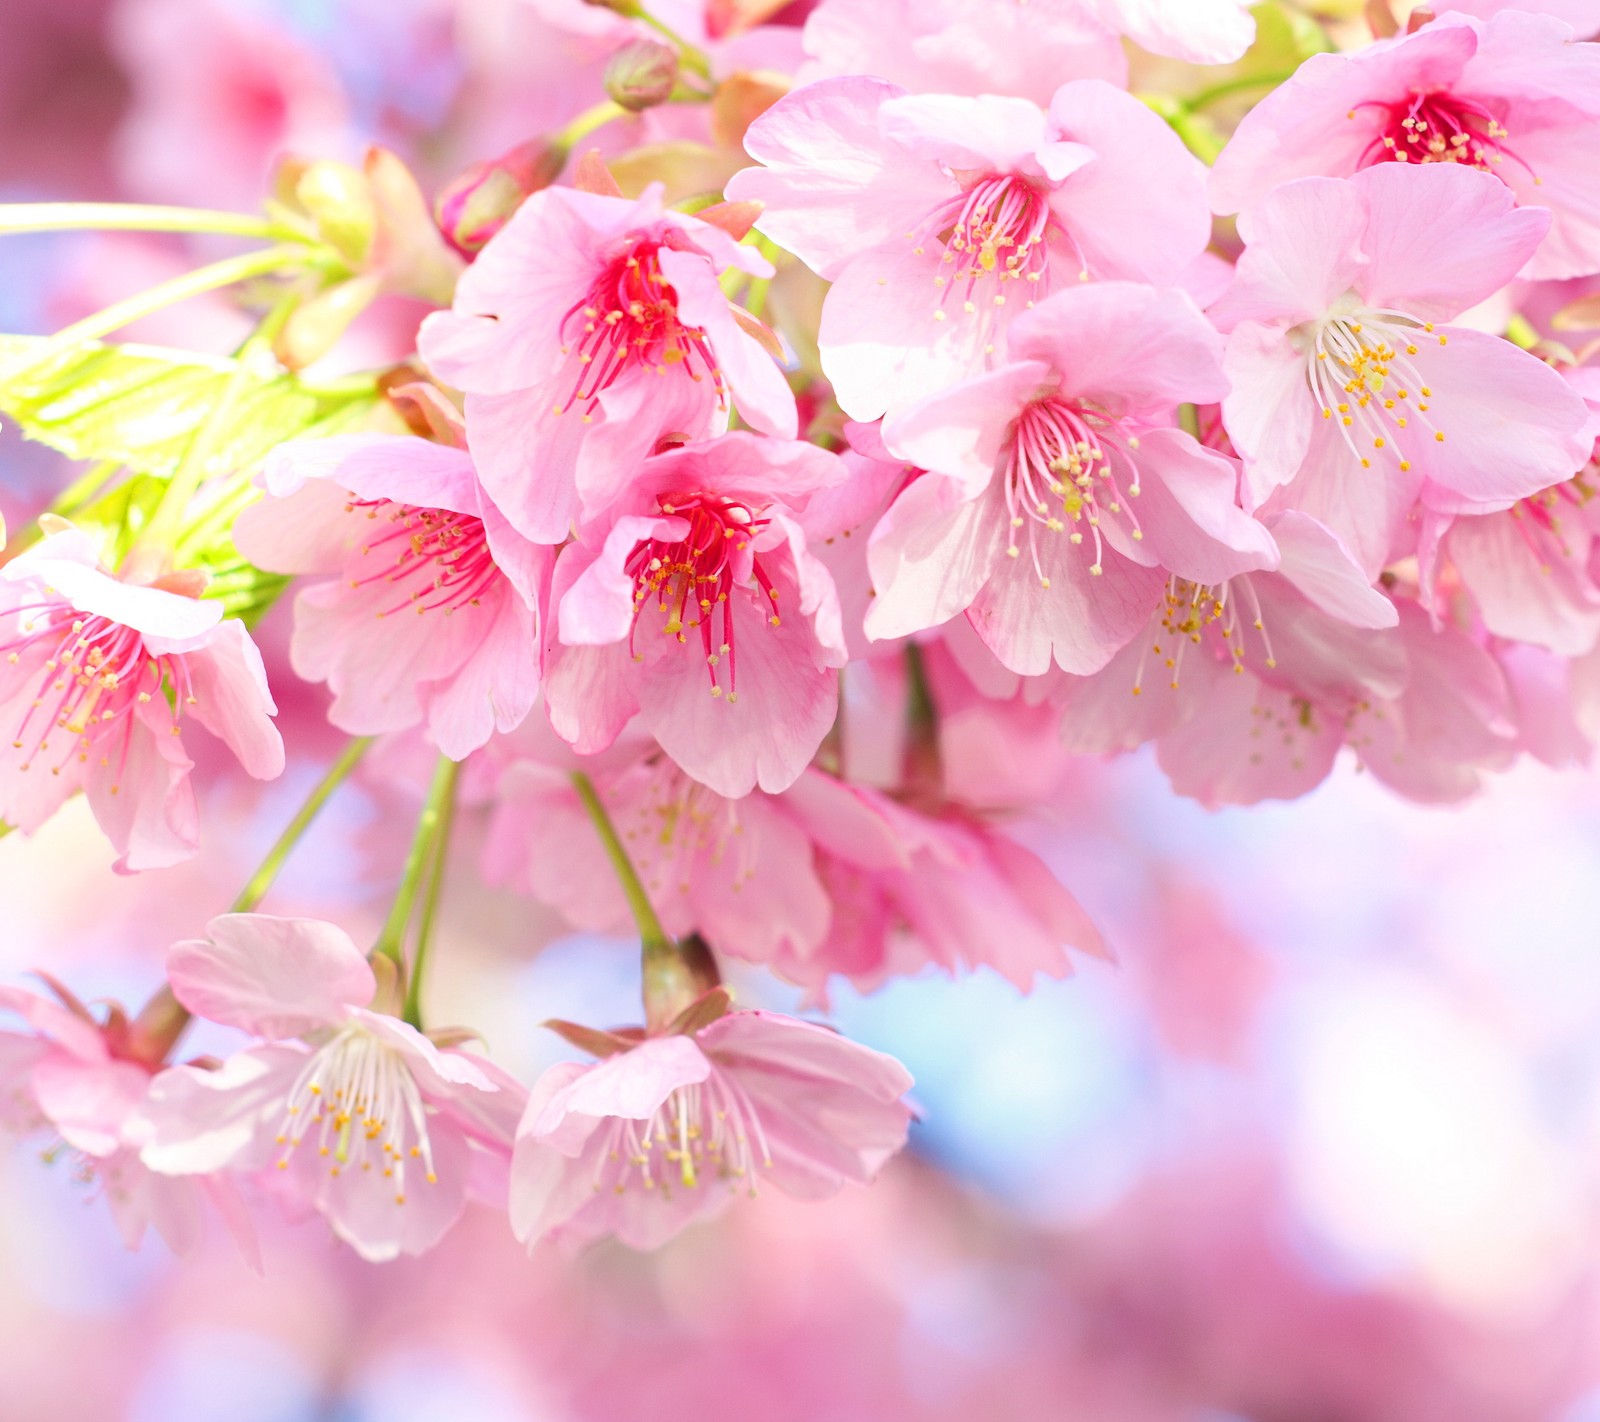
pixel 642 74
pixel 476 205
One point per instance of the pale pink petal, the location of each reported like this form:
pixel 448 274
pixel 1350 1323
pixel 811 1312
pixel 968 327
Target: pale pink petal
pixel 1441 237
pixel 961 431
pixel 1187 511
pixel 1321 567
pixel 1139 210
pixel 833 186
pixel 589 694
pixel 1303 250
pixel 231 698
pixel 931 554
pixel 275 977
pixel 89 1103
pixel 1270 411
pixel 141 795
pixel 1128 349
pixel 201 1121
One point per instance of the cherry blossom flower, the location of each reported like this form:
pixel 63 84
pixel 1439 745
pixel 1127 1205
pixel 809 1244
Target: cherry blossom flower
pixel 940 219
pixel 1311 630
pixel 433 613
pixel 1532 570
pixel 669 1129
pixel 966 47
pixel 85 1083
pixel 99 673
pixel 1062 491
pixel 1512 96
pixel 919 881
pixel 1350 394
pixel 696 604
pixel 587 329
pixel 738 872
pixel 370 1122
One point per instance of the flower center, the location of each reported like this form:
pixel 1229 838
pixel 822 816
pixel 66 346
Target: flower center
pixel 708 1129
pixel 95 673
pixel 676 822
pixel 998 227
pixel 434 558
pixel 1438 127
pixel 629 322
pixel 1540 518
pixel 1363 371
pixel 1066 470
pixel 1193 612
pixel 692 579
pixel 358 1101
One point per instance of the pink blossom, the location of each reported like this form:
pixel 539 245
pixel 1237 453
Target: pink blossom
pixel 962 46
pixel 587 329
pixel 1349 394
pixel 1582 15
pixel 668 1130
pixel 220 93
pixel 737 871
pixel 1310 631
pixel 916 880
pixel 99 673
pixel 432 615
pixel 86 1084
pixel 1534 570
pixel 695 604
pixel 370 1122
pixel 1513 96
pixel 940 219
pixel 1062 489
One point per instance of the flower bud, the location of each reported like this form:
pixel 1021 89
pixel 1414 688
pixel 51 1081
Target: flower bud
pixel 478 203
pixel 642 74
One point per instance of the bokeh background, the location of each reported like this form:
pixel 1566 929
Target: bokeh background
pixel 1323 1146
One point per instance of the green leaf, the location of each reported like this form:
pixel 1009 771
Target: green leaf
pixel 141 405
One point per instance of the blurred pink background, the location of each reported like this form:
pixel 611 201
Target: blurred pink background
pixel 1322 1148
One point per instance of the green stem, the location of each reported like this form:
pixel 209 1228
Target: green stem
pixel 669 981
pixel 196 283
pixel 191 471
pixel 392 939
pixel 586 123
pixel 134 217
pixel 430 903
pixel 256 890
pixel 1206 97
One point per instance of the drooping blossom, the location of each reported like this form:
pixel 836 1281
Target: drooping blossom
pixel 1350 394
pixel 431 614
pixel 1060 495
pixel 920 880
pixel 941 219
pixel 1512 96
pixel 99 674
pixel 695 604
pixel 669 1129
pixel 84 1083
pixel 1246 660
pixel 962 46
pixel 369 1121
pixel 738 872
pixel 587 329
pixel 1534 570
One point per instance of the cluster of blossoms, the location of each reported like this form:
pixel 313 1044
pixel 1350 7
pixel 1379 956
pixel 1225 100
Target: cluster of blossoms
pixel 754 552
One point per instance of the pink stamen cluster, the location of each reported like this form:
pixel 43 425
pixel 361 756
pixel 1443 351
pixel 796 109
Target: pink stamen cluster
pixel 436 558
pixel 96 673
pixel 629 320
pixel 691 577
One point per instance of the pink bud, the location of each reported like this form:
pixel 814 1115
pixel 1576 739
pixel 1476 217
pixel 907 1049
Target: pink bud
pixel 478 203
pixel 642 74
